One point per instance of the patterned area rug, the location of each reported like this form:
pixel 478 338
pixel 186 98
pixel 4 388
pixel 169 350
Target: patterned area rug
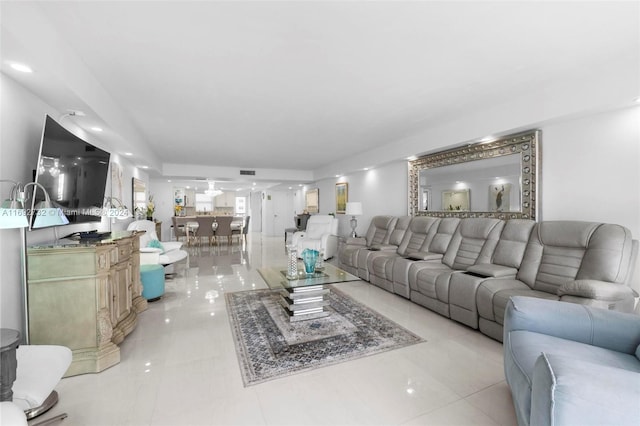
pixel 269 346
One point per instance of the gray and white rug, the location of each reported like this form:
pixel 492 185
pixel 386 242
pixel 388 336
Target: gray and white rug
pixel 269 346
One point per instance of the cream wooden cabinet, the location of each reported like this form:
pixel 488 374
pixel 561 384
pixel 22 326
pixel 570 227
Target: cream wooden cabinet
pixel 226 199
pixel 87 297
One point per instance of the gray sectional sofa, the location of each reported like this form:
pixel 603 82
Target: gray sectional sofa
pixel 468 269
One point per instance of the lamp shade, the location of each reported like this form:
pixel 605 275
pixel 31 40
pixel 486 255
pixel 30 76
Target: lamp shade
pixel 354 208
pixel 48 216
pixel 12 215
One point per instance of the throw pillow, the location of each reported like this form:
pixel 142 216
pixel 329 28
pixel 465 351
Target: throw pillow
pixel 156 244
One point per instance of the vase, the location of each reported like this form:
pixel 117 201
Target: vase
pixel 309 258
pixel 292 264
pixel 320 261
pixel 150 218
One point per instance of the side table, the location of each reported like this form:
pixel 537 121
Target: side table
pixel 10 340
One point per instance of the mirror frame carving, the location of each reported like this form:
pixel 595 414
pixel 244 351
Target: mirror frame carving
pixel 526 144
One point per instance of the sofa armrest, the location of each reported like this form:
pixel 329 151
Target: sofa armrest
pixel 599 294
pixel 565 390
pixel 296 237
pixel 358 241
pixel 150 250
pixel 585 324
pixel 330 244
pixel 171 245
pixel 424 255
pixel 383 247
pixel 491 270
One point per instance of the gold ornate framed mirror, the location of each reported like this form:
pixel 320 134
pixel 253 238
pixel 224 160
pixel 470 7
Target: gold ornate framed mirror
pixel 491 179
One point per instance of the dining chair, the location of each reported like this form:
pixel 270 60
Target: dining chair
pixel 224 228
pixel 205 228
pixel 178 227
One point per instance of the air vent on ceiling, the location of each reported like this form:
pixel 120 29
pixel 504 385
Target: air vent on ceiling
pixel 248 172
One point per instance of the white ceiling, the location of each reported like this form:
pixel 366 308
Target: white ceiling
pixel 297 85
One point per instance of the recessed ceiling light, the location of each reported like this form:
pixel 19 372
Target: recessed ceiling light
pixel 290 187
pixel 169 180
pixel 412 157
pixel 96 129
pixel 144 167
pixel 365 169
pixel 21 67
pixel 128 154
pixel 637 100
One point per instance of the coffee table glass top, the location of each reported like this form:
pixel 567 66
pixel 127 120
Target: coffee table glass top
pixel 276 277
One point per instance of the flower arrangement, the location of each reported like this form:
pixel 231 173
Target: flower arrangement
pixel 151 207
pixel 178 210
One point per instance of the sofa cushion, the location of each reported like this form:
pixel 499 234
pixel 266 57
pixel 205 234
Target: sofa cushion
pixel 522 349
pixel 155 244
pixel 566 390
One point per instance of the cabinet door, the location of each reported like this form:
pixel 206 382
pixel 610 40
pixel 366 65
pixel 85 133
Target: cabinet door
pixel 122 291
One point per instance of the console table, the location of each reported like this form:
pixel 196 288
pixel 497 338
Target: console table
pixel 85 296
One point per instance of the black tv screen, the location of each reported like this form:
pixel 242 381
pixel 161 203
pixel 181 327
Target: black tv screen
pixel 73 172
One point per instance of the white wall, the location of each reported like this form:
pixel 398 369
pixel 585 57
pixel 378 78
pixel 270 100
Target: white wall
pixel 20 133
pixel 382 191
pixel 590 172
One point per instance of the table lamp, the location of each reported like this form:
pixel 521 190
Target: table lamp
pixel 353 209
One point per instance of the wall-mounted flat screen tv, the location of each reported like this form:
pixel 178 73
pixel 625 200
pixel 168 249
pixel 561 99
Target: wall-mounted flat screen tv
pixel 73 172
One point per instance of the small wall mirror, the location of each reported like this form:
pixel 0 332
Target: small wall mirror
pixel 492 179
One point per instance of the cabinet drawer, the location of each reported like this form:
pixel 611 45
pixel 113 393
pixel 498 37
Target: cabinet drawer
pixel 50 264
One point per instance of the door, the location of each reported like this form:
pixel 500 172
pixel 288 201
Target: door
pixel 277 208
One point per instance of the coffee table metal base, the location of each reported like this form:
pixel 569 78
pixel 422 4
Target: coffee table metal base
pixel 305 303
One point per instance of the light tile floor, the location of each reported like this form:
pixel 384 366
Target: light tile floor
pixel 179 365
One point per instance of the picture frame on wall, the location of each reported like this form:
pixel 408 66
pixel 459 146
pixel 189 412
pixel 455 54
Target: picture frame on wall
pixel 500 197
pixel 342 196
pixel 312 201
pixel 455 200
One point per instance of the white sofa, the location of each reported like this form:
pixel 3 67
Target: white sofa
pixel 166 253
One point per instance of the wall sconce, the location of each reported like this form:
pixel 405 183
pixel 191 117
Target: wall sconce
pixel 14 215
pixel 353 209
pixel 115 208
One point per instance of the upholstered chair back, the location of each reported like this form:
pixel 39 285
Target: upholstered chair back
pixel 474 241
pixel 513 242
pixel 399 230
pixel 421 230
pixel 380 230
pixel 440 241
pixel 321 224
pixel 144 225
pixel 562 251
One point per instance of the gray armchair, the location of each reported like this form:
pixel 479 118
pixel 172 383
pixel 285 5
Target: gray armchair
pixel 572 364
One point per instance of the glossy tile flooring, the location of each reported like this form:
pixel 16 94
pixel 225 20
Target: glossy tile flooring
pixel 179 365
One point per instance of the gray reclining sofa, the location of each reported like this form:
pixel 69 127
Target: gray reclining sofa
pixel 467 269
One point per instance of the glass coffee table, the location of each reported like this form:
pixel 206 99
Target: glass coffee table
pixel 306 296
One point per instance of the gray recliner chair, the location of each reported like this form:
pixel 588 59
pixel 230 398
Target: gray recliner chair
pixel 572 261
pixel 377 235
